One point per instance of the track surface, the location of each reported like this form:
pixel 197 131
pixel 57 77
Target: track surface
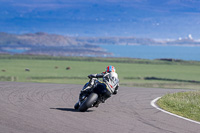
pixel 48 108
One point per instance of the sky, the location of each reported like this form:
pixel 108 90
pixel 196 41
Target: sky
pixel 158 19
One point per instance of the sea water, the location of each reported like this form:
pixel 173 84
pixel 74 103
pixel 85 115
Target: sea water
pixel 154 52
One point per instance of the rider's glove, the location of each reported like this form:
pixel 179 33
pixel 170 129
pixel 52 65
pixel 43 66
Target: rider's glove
pixel 92 76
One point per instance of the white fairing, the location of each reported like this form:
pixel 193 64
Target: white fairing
pixel 111 80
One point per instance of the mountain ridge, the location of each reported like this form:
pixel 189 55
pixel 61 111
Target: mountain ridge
pixel 54 44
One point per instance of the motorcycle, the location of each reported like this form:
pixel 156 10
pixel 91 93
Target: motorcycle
pixel 92 98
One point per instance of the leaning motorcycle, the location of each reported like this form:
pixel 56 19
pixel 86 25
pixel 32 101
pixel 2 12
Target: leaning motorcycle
pixel 92 98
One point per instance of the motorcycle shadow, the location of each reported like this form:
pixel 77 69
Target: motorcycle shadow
pixel 70 109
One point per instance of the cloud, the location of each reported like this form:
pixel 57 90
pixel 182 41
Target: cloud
pixel 190 36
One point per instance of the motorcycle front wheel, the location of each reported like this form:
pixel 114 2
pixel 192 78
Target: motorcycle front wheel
pixel 90 100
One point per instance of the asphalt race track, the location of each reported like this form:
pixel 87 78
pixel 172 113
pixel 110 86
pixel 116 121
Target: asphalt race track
pixel 48 108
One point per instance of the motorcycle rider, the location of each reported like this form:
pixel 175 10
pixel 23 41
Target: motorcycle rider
pixel 110 78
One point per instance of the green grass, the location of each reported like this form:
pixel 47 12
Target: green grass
pixel 186 104
pixel 132 72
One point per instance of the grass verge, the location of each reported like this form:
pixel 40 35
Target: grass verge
pixel 186 104
pixel 132 72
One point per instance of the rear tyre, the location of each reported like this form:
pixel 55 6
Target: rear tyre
pixel 92 98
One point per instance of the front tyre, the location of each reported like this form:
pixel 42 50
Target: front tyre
pixel 92 98
pixel 76 106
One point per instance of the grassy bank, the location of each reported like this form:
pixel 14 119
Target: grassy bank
pixel 132 72
pixel 186 104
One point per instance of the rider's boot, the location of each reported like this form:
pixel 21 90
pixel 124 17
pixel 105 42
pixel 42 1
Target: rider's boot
pixel 97 104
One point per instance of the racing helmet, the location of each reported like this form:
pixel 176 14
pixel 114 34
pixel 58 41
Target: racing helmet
pixel 110 69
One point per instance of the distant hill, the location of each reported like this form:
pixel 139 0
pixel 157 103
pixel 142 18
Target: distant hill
pixel 39 39
pixel 47 44
pixel 59 45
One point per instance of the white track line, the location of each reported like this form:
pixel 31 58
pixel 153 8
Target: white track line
pixel 153 103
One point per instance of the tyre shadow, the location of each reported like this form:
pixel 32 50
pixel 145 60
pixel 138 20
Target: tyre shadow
pixel 70 109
